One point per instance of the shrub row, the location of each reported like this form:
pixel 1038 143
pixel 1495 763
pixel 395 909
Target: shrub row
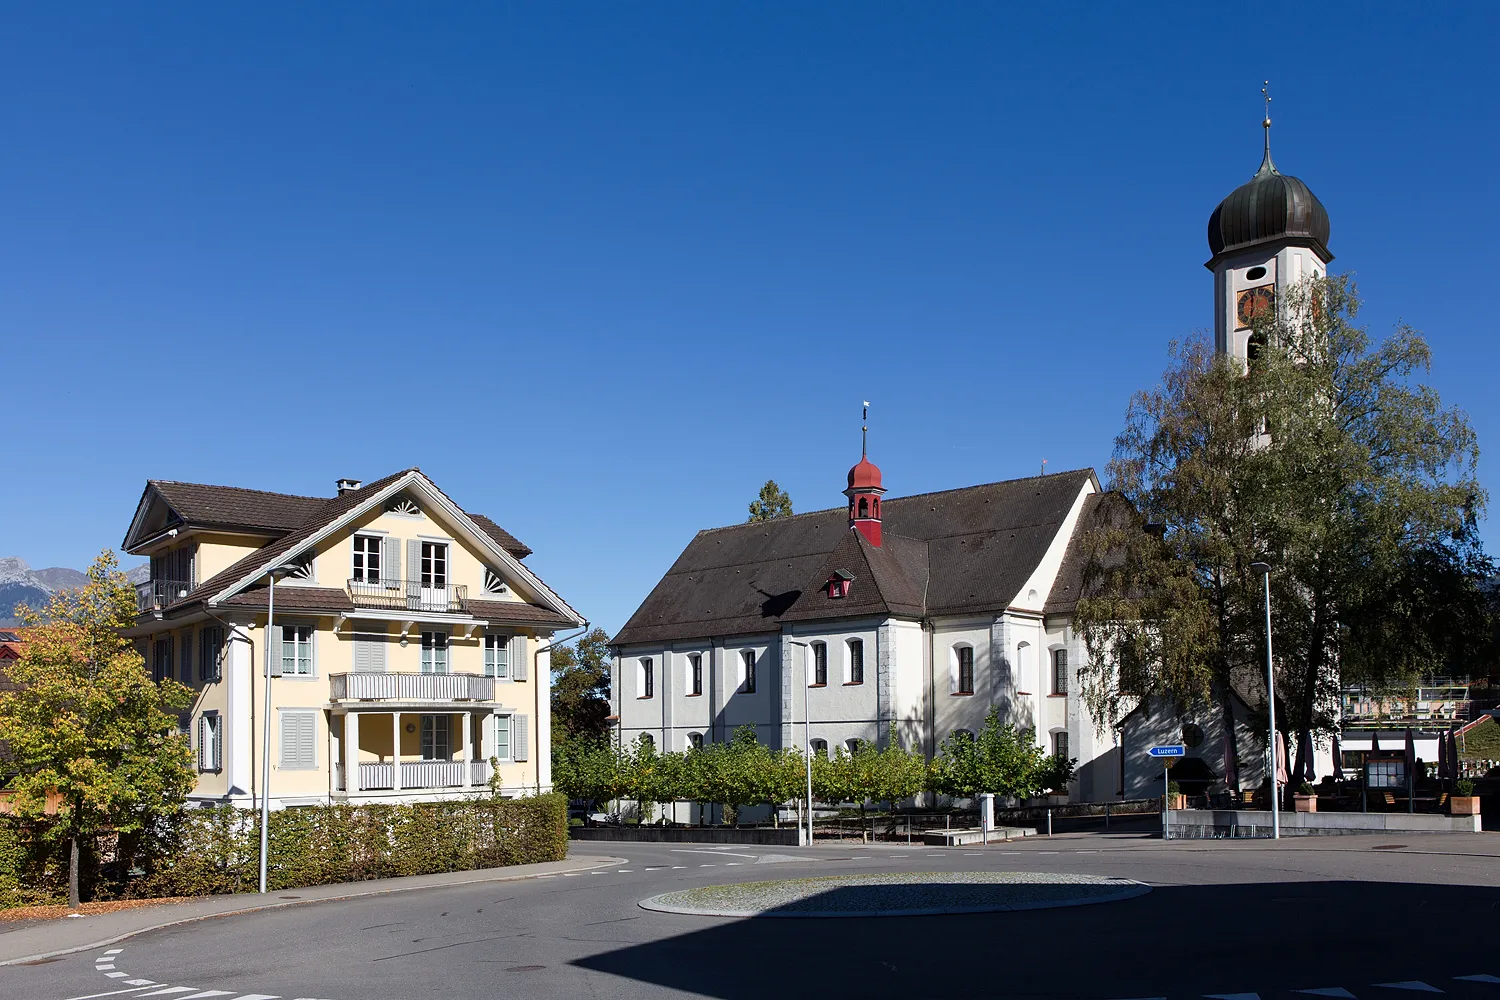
pixel 202 852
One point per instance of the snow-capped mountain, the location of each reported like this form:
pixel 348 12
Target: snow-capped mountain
pixel 20 584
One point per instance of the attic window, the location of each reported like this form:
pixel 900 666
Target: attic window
pixel 493 584
pixel 302 569
pixel 403 504
pixel 838 584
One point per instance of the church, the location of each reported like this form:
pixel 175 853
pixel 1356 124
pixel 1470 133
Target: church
pixel 922 612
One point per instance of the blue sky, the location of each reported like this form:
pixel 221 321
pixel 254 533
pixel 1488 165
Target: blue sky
pixel 601 270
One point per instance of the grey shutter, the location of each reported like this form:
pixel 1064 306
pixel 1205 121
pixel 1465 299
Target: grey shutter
pixel 211 655
pixel 369 652
pixel 298 733
pixel 273 651
pixel 187 656
pixel 202 740
pixel 390 561
pixel 414 560
pixel 518 658
pixel 520 731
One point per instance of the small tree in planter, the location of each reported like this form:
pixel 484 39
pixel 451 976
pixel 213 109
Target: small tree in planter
pixel 1464 802
pixel 1175 798
pixel 1305 799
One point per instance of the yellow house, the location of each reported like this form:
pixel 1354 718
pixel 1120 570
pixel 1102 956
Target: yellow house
pixel 407 642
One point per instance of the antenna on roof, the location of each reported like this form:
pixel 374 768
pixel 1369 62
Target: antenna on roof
pixel 864 432
pixel 1044 466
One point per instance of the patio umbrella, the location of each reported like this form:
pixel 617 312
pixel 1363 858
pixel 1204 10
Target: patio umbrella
pixel 1338 760
pixel 1281 778
pixel 1443 771
pixel 1411 752
pixel 1231 766
pixel 1374 741
pixel 1305 751
pixel 1453 753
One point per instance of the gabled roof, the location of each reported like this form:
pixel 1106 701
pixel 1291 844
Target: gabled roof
pixel 951 552
pixel 239 583
pixel 889 580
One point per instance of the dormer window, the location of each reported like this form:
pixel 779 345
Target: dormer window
pixel 838 584
pixel 301 569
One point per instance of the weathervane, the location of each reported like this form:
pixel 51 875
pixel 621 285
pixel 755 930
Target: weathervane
pixel 864 431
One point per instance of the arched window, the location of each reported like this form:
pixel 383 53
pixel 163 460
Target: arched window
pixel 819 664
pixel 695 741
pixel 820 747
pixel 1060 744
pixel 853 745
pixel 747 671
pixel 864 506
pixel 962 734
pixel 962 664
pixel 645 677
pixel 1059 671
pixel 1026 667
pixel 647 740
pixel 855 662
pixel 694 674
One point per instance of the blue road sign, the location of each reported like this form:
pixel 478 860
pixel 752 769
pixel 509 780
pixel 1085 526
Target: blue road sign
pixel 1171 750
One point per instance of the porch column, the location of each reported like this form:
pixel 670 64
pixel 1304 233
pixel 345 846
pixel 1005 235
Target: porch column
pixel 351 752
pixel 468 749
pixel 396 751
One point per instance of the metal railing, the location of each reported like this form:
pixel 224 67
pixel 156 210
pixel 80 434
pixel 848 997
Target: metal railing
pixel 416 775
pixel 153 595
pixel 411 687
pixel 409 595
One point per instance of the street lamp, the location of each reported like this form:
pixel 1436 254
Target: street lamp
pixel 1264 569
pixel 265 739
pixel 806 739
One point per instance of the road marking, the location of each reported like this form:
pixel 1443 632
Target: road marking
pixel 970 854
pixel 1411 984
pixel 1481 978
pixel 571 874
pixel 553 876
pixel 693 850
pixel 122 975
pixel 709 865
pixel 731 864
pixel 114 951
pixel 1085 852
pixel 1331 991
pixel 1058 852
pixel 102 968
pixel 170 990
pixel 206 994
pixel 113 993
pixel 142 982
pixel 260 996
pixel 676 867
pixel 654 868
pixel 598 873
pixel 1233 996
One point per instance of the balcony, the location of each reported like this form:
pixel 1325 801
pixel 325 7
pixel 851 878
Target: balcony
pixel 411 687
pixel 416 775
pixel 409 595
pixel 153 595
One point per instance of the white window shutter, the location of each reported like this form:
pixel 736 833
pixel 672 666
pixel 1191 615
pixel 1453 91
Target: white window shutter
pixel 273 651
pixel 518 663
pixel 414 560
pixel 390 562
pixel 298 736
pixel 520 732
pixel 369 652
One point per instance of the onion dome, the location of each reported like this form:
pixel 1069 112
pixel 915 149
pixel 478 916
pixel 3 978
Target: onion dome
pixel 865 475
pixel 1271 207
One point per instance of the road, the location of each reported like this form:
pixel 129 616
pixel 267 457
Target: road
pixel 1342 917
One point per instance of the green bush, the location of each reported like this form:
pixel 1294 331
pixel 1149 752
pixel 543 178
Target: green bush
pixel 1463 787
pixel 201 852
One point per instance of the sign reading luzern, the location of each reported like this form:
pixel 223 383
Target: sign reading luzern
pixel 1170 750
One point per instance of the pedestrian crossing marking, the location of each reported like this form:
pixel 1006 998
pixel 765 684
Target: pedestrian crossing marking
pixel 205 994
pixel 1411 984
pixel 1232 996
pixel 1331 991
pixel 1481 978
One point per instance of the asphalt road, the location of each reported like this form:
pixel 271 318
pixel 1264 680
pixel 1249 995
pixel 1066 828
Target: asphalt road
pixel 1343 917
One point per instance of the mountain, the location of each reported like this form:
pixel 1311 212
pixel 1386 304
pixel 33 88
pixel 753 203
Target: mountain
pixel 20 584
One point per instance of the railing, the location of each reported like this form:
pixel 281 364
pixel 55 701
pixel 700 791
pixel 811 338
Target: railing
pixel 416 775
pixel 411 687
pixel 153 595
pixel 409 595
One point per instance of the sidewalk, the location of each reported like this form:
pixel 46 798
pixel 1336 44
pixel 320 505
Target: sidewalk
pixel 33 940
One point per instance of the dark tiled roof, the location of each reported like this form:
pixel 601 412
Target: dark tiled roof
pixel 1063 597
pixel 232 507
pixel 981 544
pixel 514 612
pixel 294 598
pixel 510 543
pixel 886 581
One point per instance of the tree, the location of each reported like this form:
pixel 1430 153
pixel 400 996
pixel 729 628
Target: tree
pixel 1002 760
pixel 587 768
pixel 771 503
pixel 87 725
pixel 1326 458
pixel 580 688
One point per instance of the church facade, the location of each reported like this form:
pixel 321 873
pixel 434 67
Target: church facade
pixel 923 612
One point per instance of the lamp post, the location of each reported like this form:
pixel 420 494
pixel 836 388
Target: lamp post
pixel 1264 569
pixel 265 739
pixel 806 739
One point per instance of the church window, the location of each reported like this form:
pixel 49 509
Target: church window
pixel 820 664
pixel 1059 671
pixel 963 669
pixel 856 661
pixel 747 671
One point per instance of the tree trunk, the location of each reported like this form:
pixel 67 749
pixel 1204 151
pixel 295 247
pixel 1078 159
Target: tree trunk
pixel 73 901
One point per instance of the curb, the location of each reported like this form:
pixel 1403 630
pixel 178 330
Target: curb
pixel 1128 890
pixel 117 938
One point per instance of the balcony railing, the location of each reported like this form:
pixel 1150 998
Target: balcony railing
pixel 416 775
pixel 153 595
pixel 411 687
pixel 409 595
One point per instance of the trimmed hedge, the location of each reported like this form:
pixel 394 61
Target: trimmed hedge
pixel 203 852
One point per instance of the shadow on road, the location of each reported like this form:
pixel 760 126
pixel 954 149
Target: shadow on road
pixel 1175 941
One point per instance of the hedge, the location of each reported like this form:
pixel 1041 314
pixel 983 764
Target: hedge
pixel 202 852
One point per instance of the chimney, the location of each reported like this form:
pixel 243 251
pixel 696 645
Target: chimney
pixel 348 485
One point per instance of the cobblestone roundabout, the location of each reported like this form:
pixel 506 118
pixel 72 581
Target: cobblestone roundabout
pixel 896 895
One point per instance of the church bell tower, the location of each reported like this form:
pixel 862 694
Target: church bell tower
pixel 1268 235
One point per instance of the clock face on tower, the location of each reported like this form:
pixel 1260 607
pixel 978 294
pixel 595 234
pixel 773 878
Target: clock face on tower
pixel 1253 303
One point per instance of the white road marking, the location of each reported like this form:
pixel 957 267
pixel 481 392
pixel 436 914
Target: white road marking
pixel 169 990
pixel 692 850
pixel 1481 978
pixel 113 993
pixel 676 867
pixel 260 996
pixel 654 868
pixel 114 951
pixel 1331 991
pixel 142 982
pixel 571 874
pixel 206 994
pixel 1411 984
pixel 122 975
pixel 104 968
pixel 709 865
pixel 623 871
pixel 730 864
pixel 1233 996
pixel 1057 852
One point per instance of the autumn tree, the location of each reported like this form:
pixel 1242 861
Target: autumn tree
pixel 1324 455
pixel 772 502
pixel 580 688
pixel 1001 759
pixel 87 727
